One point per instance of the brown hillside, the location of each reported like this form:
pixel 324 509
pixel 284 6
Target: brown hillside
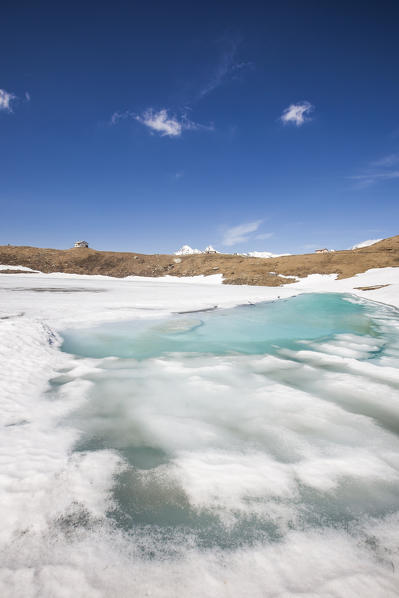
pixel 236 269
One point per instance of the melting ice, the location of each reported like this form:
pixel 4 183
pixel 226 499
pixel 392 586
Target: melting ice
pixel 243 452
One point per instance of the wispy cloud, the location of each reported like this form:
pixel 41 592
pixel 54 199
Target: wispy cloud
pixel 297 114
pixel 240 233
pixel 168 124
pixel 161 122
pixel 6 99
pixel 118 116
pixel 389 160
pixel 263 236
pixel 366 180
pixel 384 169
pixel 228 68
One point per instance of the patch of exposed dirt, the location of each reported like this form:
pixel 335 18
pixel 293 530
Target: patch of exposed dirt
pixel 372 288
pixel 16 272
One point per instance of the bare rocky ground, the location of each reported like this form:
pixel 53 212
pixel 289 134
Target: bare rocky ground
pixel 235 269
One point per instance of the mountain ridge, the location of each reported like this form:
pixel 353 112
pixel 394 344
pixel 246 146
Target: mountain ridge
pixel 236 269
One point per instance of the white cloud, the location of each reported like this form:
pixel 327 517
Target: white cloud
pixel 297 113
pixel 240 233
pixel 5 100
pixel 161 122
pixel 169 126
pixel 27 96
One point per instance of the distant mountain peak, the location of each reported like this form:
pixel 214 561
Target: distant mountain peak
pixel 187 250
pixel 366 243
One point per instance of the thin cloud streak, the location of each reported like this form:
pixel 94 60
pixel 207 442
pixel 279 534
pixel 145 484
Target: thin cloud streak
pixel 378 171
pixel 118 116
pixel 389 160
pixel 228 68
pixel 240 233
pixel 366 180
pixel 263 236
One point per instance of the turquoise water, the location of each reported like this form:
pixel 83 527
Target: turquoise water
pixel 250 329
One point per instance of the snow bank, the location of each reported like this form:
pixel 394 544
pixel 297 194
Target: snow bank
pixel 22 268
pixel 264 254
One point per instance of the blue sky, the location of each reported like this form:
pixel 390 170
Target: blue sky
pixel 250 126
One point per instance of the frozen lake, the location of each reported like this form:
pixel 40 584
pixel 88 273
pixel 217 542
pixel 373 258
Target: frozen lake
pixel 241 428
pixel 248 451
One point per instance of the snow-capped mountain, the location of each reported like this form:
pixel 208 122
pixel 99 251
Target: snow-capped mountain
pixel 187 250
pixel 366 243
